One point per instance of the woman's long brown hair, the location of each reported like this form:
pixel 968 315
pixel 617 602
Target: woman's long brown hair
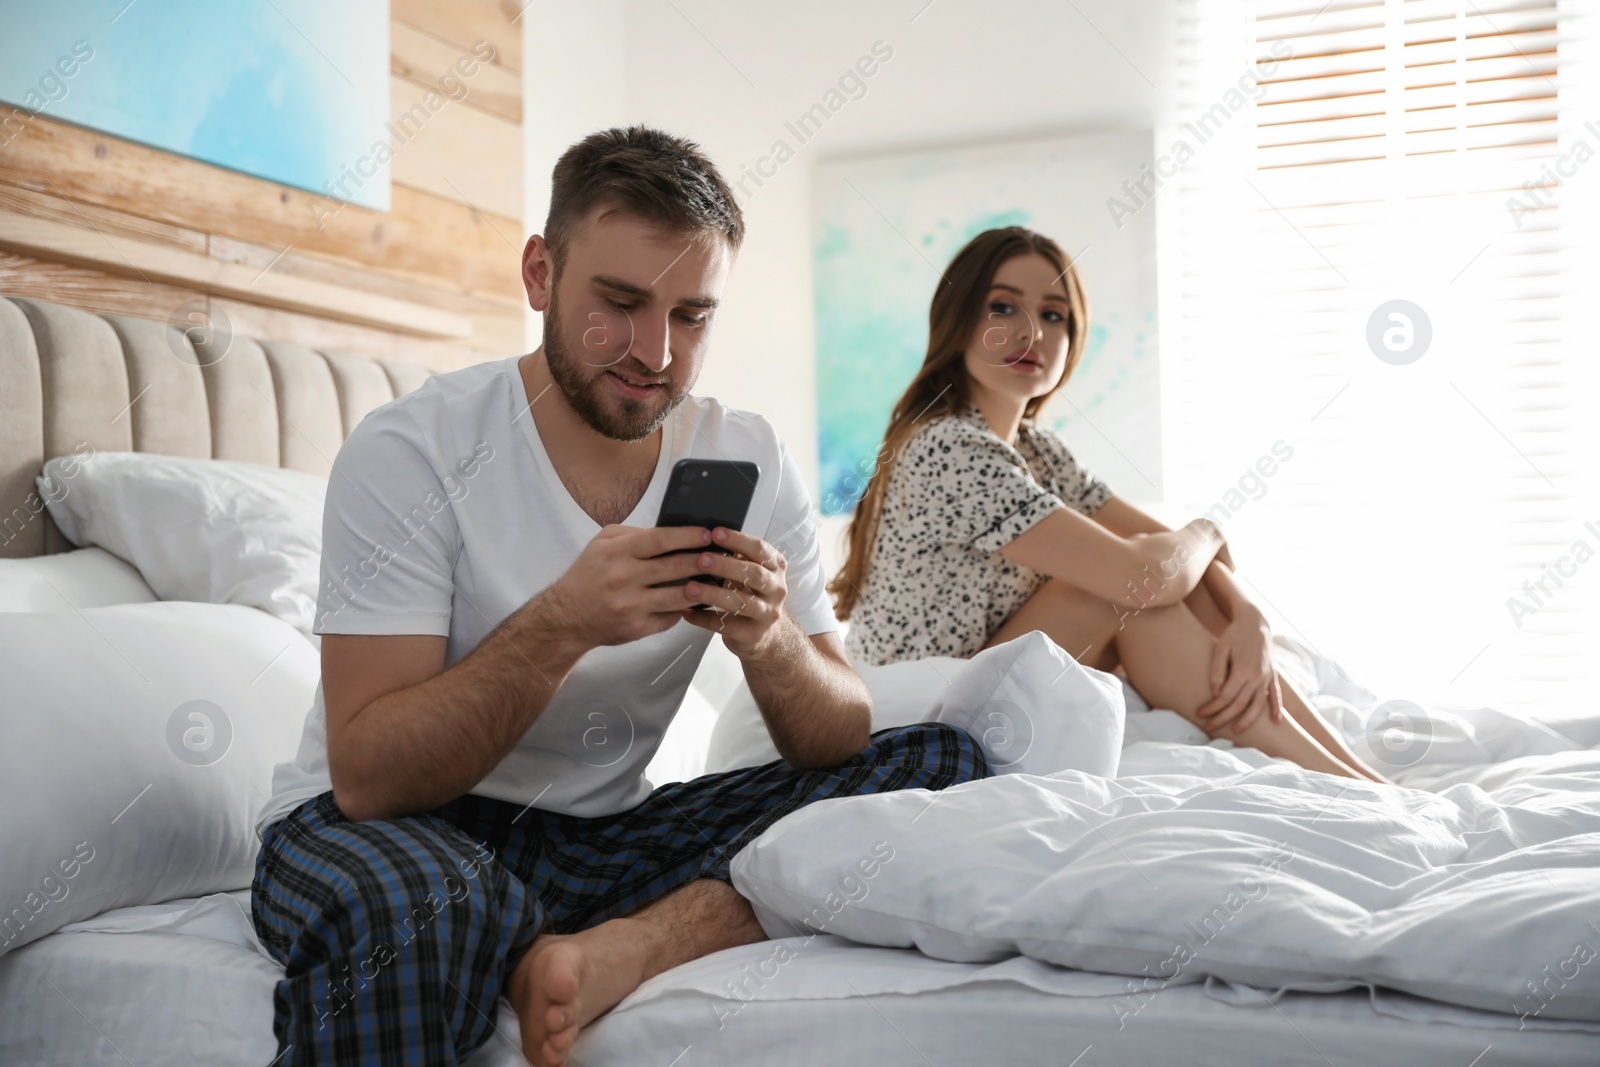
pixel 942 388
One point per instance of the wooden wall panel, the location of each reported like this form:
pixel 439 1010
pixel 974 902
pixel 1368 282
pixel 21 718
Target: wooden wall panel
pixel 424 60
pixel 91 290
pixel 422 236
pixel 153 262
pixel 117 223
pixel 104 224
pixel 465 22
pixel 456 152
pixel 319 268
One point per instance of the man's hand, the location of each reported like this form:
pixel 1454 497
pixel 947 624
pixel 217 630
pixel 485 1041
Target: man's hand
pixel 609 595
pixel 1244 682
pixel 815 705
pixel 748 605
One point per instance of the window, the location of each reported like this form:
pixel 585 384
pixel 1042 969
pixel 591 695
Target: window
pixel 1377 298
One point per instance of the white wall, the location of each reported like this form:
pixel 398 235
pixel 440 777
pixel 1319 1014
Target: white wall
pixel 730 73
pixel 574 81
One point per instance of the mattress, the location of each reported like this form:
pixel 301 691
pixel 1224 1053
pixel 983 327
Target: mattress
pixel 88 995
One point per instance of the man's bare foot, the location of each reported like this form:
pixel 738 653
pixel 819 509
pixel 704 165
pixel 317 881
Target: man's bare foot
pixel 566 981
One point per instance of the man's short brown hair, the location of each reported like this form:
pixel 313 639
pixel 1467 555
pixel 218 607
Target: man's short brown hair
pixel 664 179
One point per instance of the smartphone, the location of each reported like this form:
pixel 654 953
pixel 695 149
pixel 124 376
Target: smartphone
pixel 709 493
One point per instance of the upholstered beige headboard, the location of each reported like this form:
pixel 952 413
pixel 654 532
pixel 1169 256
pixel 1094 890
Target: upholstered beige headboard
pixel 70 379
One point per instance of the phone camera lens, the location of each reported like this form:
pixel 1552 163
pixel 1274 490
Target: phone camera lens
pixel 683 490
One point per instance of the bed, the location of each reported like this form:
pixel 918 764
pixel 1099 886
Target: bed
pixel 183 980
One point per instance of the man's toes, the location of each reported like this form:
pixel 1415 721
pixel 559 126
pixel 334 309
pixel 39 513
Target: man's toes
pixel 554 1055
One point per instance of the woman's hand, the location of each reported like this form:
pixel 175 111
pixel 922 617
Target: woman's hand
pixel 1244 682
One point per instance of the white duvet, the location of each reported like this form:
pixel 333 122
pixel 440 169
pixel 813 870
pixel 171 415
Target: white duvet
pixel 1477 883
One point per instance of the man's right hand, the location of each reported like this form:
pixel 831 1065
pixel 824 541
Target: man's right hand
pixel 607 596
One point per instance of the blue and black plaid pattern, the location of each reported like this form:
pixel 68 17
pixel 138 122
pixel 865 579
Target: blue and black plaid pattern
pixel 397 935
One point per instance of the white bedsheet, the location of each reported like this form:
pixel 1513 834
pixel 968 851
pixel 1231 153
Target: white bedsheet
pixel 184 983
pixel 1003 1023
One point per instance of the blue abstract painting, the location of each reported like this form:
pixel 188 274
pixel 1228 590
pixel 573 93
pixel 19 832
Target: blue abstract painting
pixel 295 91
pixel 886 227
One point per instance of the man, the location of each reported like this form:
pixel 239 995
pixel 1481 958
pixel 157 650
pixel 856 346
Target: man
pixel 467 815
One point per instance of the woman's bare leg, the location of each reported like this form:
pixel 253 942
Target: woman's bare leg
pixel 1205 608
pixel 1080 622
pixel 1167 654
pixel 1315 725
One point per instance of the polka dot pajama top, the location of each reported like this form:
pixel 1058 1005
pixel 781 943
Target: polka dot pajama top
pixel 937 584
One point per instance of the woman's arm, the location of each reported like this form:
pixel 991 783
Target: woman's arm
pixel 1243 680
pixel 1154 570
pixel 1220 595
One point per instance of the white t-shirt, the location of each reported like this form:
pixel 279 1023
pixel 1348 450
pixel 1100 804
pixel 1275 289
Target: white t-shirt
pixel 444 516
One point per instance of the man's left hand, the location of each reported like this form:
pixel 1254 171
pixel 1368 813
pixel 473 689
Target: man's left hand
pixel 748 606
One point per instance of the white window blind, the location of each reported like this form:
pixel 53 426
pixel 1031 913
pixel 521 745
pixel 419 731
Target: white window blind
pixel 1341 157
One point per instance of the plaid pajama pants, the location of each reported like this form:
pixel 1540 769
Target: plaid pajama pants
pixel 397 935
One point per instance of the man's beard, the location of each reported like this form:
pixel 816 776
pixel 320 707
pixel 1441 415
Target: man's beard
pixel 631 420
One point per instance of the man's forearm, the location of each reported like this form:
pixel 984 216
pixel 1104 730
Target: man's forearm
pixel 818 710
pixel 419 747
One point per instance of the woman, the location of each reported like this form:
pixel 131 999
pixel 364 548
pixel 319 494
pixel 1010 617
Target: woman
pixel 978 526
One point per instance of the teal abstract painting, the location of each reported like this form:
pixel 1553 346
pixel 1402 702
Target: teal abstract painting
pixel 885 228
pixel 295 91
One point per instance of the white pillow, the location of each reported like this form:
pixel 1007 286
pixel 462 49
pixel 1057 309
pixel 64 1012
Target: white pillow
pixel 213 530
pixel 87 578
pixel 1033 707
pixel 1276 876
pixel 902 693
pixel 139 746
pixel 1036 710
